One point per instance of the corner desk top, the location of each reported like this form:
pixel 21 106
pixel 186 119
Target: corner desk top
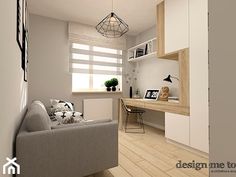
pixel 172 106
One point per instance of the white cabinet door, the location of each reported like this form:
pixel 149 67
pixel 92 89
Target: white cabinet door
pixel 176 25
pixel 177 128
pixel 198 63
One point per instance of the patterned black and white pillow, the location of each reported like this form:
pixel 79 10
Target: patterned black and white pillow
pixel 65 115
pixel 59 106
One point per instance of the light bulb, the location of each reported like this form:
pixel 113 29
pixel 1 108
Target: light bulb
pixel 112 20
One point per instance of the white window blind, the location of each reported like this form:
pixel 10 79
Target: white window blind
pixel 91 66
pixel 86 34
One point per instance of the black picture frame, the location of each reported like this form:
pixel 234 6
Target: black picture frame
pixel 24 51
pixel 25 55
pixel 20 26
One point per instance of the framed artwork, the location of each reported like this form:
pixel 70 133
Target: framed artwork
pixel 19 26
pixel 152 94
pixel 24 49
pixel 25 55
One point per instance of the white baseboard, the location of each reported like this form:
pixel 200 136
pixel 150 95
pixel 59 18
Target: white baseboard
pixel 154 125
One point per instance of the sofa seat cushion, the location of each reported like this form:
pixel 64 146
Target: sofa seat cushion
pixel 37 118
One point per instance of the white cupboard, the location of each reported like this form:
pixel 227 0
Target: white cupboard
pixel 176 25
pixel 177 128
pixel 186 26
pixel 198 63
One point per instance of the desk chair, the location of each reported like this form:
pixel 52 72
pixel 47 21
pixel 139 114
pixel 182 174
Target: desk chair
pixel 138 112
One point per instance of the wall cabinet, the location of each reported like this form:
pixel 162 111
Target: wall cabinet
pixel 177 128
pixel 172 27
pixel 176 25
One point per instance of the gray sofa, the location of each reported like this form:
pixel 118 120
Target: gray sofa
pixel 69 151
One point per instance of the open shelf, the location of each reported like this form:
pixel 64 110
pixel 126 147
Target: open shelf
pixel 170 56
pixel 142 51
pixel 144 57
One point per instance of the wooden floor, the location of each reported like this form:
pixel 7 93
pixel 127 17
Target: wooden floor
pixel 149 155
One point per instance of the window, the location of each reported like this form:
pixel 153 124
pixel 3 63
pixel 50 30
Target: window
pixel 91 66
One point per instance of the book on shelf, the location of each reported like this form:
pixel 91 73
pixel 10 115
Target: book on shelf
pixel 139 52
pixel 146 49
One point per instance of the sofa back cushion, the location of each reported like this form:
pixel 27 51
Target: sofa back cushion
pixel 37 118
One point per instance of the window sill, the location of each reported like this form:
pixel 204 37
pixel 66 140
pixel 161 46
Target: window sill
pixel 97 92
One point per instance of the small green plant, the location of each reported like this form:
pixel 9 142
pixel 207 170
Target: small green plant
pixel 114 82
pixel 108 83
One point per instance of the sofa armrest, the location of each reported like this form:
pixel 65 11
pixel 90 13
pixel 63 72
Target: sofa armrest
pixel 32 151
pixel 74 151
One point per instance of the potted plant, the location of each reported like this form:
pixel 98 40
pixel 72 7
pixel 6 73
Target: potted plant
pixel 108 85
pixel 114 83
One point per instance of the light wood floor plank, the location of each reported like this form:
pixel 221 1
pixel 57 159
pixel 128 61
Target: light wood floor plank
pixel 150 155
pixel 131 167
pixel 176 173
pixel 154 152
pixel 146 155
pixel 130 154
pixel 119 172
pixel 151 169
pixel 192 172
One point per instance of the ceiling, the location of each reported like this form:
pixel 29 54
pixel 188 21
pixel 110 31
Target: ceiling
pixel 138 14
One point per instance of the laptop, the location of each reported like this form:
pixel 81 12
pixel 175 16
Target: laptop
pixel 151 94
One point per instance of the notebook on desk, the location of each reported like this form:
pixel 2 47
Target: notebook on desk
pixel 151 94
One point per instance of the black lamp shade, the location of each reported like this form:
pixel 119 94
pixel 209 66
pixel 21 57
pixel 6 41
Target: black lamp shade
pixel 168 79
pixel 112 26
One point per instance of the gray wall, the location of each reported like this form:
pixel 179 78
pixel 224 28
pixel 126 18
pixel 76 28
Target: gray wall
pixel 49 75
pixel 222 83
pixel 151 74
pixel 13 92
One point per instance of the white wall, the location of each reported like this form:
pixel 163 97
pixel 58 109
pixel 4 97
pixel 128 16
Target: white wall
pixel 154 70
pixel 151 75
pixel 222 83
pixel 13 90
pixel 49 75
pixel 127 66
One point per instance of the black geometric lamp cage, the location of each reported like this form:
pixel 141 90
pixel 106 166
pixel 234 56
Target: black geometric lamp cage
pixel 112 26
